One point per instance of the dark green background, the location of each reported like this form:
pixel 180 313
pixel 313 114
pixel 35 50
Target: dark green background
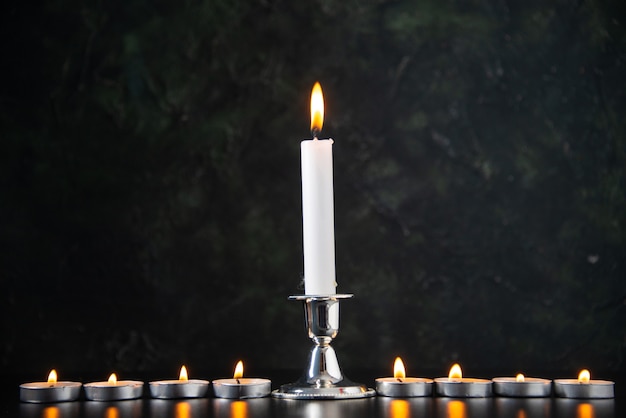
pixel 150 206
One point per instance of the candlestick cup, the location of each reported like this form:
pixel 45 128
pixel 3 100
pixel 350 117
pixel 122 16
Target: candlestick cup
pixel 322 378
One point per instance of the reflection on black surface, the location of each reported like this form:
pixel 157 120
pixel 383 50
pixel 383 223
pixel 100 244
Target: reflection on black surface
pixel 120 409
pixel 51 412
pixel 523 407
pixel 585 408
pixel 112 412
pixel 344 408
pixel 239 409
pixel 463 408
pixel 177 408
pixel 236 408
pixel 381 407
pixel 399 409
pixel 404 408
pixel 57 410
pixel 456 409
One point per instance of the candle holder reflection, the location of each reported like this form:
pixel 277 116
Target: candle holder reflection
pixel 322 378
pixel 348 408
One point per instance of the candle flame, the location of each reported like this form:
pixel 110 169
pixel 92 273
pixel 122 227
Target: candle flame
pixel 584 376
pixel 52 377
pixel 398 369
pixel 519 377
pixel 238 370
pixel 455 372
pixel 317 109
pixel 183 374
pixel 113 379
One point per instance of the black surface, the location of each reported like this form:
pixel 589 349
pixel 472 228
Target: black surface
pixel 372 407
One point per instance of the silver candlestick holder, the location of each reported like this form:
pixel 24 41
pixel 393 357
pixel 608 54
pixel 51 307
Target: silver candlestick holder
pixel 322 378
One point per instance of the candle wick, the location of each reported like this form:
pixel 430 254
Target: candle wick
pixel 314 132
pixel 238 382
pixel 399 379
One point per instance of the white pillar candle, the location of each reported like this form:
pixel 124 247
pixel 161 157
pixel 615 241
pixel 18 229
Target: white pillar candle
pixel 318 224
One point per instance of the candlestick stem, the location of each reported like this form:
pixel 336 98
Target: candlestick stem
pixel 322 378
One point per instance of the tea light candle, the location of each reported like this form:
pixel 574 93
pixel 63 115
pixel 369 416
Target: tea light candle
pixel 584 387
pixel 522 386
pixel 400 386
pixel 50 391
pixel 456 386
pixel 181 388
pixel 113 390
pixel 241 388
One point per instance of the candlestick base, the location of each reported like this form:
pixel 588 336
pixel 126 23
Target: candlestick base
pixel 322 378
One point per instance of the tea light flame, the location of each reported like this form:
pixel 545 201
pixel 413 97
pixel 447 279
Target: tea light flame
pixel 519 377
pixel 238 370
pixel 52 377
pixel 317 109
pixel 183 374
pixel 398 369
pixel 113 379
pixel 584 376
pixel 455 372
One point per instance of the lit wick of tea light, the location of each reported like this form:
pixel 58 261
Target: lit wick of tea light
pixel 238 374
pixel 400 386
pixel 457 386
pixel 52 377
pixel 183 374
pixel 398 369
pixel 113 389
pixel 181 388
pixel 455 372
pixel 521 386
pixel 240 388
pixel 584 387
pixel 584 376
pixel 50 391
